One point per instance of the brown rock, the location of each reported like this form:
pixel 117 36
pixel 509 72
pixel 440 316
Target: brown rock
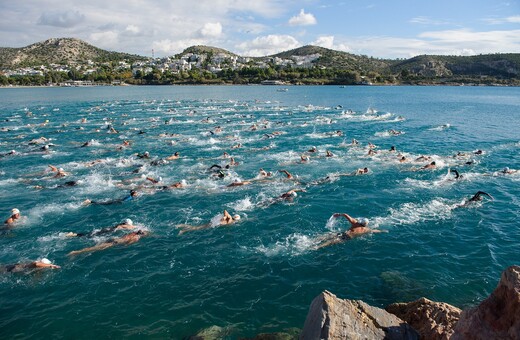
pixel 497 317
pixel 333 318
pixel 432 320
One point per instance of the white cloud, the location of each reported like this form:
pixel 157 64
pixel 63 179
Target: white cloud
pixel 132 29
pixel 170 47
pixel 65 19
pixel 303 19
pixel 427 21
pixel 509 20
pixel 105 40
pixel 327 41
pixel 211 30
pixel 267 45
pixel 448 42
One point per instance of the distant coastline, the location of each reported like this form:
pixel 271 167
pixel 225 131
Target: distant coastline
pixel 69 60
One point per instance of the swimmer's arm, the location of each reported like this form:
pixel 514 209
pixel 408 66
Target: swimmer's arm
pixel 378 231
pixel 347 216
pixel 94 248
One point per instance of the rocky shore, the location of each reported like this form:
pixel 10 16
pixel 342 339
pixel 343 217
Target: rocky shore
pixel 329 317
pixel 497 317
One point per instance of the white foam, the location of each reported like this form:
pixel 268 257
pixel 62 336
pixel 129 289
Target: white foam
pixel 244 204
pixel 412 213
pixel 294 244
pixel 332 223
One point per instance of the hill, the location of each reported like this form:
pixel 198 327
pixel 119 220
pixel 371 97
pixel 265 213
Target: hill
pixel 202 49
pixel 339 60
pixel 497 65
pixel 58 51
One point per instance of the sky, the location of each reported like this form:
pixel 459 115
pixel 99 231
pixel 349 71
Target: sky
pixel 377 28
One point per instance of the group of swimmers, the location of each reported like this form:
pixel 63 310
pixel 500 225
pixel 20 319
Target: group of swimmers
pixel 358 226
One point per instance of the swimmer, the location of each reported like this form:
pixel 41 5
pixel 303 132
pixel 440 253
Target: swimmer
pixel 133 194
pixel 27 266
pixel 15 215
pixel 68 184
pixel 176 155
pixel 432 165
pixel 371 152
pixel 475 198
pixel 329 154
pixel 238 183
pixel 354 142
pixel 89 143
pixel 403 159
pixel 287 173
pixel 130 238
pixel 291 194
pixel 313 149
pixel 226 219
pixel 218 167
pixel 507 171
pixel 153 180
pixel 478 196
pixel 146 155
pixel 263 173
pixel 392 149
pixel 61 173
pixel 127 224
pixel 357 227
pixel 232 162
pixel 304 158
pixel 457 175
pixel 360 171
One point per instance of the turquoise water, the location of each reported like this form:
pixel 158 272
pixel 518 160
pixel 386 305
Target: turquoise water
pixel 260 274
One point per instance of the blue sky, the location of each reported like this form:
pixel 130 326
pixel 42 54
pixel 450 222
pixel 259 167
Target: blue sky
pixel 378 28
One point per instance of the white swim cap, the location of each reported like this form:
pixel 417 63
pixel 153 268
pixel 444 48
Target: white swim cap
pixel 45 260
pixel 15 211
pixel 128 221
pixel 294 194
pixel 236 217
pixel 363 221
pixel 12 151
pixel 60 169
pixel 506 169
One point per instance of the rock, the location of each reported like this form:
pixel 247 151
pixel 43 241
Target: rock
pixel 288 334
pixel 333 318
pixel 432 320
pixel 498 316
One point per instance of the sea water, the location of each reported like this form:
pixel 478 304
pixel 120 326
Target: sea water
pixel 260 274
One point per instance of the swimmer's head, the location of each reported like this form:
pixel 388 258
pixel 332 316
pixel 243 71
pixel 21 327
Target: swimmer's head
pixel 15 211
pixel 61 170
pixel 12 152
pixel 236 217
pixel 294 194
pixel 133 193
pixel 506 169
pixel 46 261
pixel 363 221
pixel 128 221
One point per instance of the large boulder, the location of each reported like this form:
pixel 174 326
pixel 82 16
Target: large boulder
pixel 333 318
pixel 433 320
pixel 498 316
